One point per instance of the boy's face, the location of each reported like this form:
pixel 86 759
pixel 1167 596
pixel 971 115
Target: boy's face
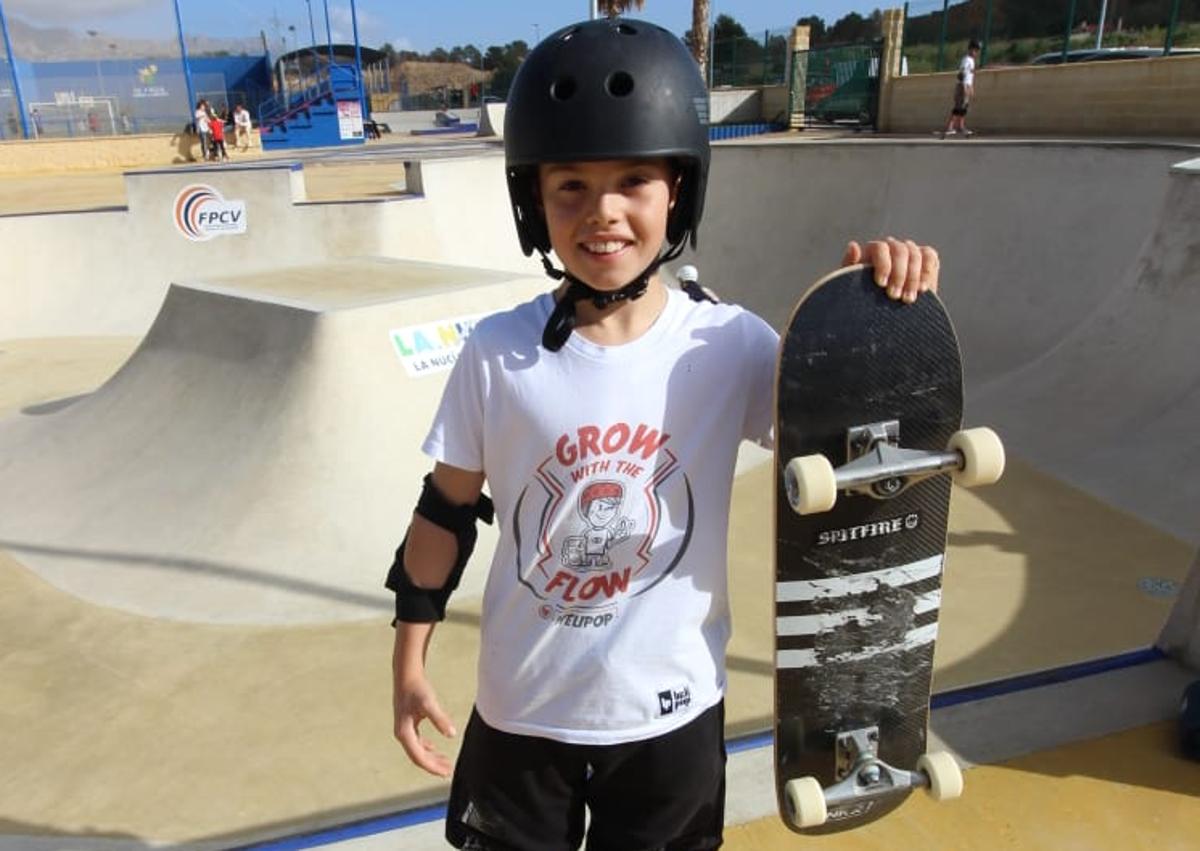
pixel 607 220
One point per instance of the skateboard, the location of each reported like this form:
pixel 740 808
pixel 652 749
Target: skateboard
pixel 868 410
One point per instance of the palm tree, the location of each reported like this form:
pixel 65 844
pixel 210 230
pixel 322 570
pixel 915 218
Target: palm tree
pixel 700 34
pixel 613 8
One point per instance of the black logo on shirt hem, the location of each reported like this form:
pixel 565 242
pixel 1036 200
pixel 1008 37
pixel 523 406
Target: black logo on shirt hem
pixel 673 700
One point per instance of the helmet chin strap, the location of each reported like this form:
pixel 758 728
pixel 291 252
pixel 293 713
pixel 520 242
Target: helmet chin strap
pixel 562 320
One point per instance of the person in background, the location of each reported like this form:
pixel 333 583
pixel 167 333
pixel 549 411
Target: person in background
pixel 241 127
pixel 216 127
pixel 964 91
pixel 202 128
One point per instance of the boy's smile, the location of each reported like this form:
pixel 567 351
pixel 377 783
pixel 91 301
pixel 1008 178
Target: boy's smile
pixel 607 219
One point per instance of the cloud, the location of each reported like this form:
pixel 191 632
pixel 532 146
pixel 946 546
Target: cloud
pixel 58 11
pixel 372 29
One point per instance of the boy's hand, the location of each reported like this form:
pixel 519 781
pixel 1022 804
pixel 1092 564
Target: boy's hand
pixel 414 701
pixel 903 267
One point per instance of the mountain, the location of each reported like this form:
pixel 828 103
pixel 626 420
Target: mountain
pixel 57 44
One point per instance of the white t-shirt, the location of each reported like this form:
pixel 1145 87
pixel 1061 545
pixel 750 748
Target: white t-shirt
pixel 241 117
pixel 201 121
pixel 966 70
pixel 606 614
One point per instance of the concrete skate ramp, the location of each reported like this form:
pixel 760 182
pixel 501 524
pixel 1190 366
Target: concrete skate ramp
pixel 1071 272
pixel 491 120
pixel 99 273
pixel 1180 636
pixel 1114 407
pixel 257 457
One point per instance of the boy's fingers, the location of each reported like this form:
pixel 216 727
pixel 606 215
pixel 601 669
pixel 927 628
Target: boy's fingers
pixel 899 262
pixel 853 254
pixel 420 751
pixel 912 283
pixel 879 255
pixel 930 267
pixel 440 720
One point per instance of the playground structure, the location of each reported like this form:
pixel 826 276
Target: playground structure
pixel 327 113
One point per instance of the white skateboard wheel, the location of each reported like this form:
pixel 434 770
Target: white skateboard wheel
pixel 806 802
pixel 945 777
pixel 811 484
pixel 982 454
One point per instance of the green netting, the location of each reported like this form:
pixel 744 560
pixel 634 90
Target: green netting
pixel 840 84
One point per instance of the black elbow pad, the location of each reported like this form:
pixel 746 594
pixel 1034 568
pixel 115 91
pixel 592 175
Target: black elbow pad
pixel 426 605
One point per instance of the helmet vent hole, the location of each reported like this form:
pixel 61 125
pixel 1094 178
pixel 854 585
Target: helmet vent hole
pixel 625 29
pixel 619 84
pixel 571 33
pixel 563 88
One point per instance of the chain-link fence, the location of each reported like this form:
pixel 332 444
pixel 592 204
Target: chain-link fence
pixel 1019 32
pixel 839 84
pixel 69 71
pixel 127 96
pixel 749 61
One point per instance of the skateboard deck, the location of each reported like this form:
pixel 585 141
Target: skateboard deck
pixel 874 387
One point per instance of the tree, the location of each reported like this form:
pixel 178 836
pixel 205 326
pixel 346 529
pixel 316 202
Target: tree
pixel 855 28
pixel 615 8
pixel 727 27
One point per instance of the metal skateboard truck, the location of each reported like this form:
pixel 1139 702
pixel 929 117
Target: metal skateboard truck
pixel 878 466
pixel 862 776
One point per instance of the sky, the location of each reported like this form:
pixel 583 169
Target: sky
pixel 407 25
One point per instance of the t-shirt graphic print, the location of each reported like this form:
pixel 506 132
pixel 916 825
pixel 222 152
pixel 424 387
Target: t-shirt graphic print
pixel 588 524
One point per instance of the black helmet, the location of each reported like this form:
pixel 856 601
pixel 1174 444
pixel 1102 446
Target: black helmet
pixel 603 90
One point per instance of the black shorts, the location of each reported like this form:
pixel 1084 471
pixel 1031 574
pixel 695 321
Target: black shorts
pixel 524 793
pixel 961 101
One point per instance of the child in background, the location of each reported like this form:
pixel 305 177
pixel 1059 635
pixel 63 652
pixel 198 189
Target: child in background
pixel 216 124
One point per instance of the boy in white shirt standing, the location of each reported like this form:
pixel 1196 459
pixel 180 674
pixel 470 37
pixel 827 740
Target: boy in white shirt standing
pixel 601 680
pixel 964 91
pixel 241 124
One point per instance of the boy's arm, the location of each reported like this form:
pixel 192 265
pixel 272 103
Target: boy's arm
pixel 431 551
pixel 414 700
pixel 429 557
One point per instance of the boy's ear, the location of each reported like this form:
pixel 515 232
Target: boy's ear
pixel 675 186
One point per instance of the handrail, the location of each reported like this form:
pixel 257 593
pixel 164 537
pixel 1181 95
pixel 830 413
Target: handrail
pixel 276 109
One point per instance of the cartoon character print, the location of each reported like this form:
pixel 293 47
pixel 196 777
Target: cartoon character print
pixel 603 529
pixel 605 517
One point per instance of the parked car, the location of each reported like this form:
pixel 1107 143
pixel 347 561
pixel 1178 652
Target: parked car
pixel 1104 54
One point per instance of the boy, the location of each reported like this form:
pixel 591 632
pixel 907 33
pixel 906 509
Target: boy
pixel 202 128
pixel 964 90
pixel 216 127
pixel 241 123
pixel 601 673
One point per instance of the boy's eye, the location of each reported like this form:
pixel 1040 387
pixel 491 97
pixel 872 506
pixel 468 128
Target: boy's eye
pixel 571 185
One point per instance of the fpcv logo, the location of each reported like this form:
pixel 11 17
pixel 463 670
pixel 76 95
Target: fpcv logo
pixel 201 214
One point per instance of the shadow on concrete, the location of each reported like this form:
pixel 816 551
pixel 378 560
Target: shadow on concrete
pixel 236 573
pixel 53 406
pixel 25 836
